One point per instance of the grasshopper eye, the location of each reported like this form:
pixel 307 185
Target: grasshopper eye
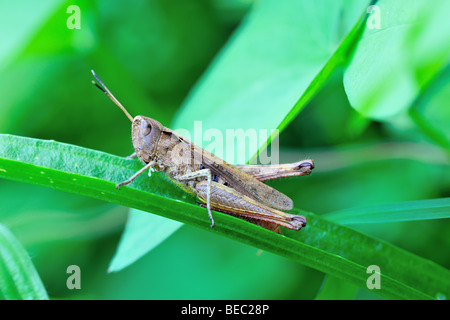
pixel 145 128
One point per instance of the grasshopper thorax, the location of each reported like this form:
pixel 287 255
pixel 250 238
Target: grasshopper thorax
pixel 146 133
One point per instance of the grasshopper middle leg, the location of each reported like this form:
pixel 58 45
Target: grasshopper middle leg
pixel 200 174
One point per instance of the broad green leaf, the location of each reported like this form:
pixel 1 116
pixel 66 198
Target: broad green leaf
pixel 261 70
pixel 401 211
pixel 272 66
pixel 18 277
pixel 143 232
pixel 404 46
pixel 431 112
pixel 322 244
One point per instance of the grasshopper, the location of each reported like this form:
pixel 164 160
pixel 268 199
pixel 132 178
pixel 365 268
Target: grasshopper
pixel 232 189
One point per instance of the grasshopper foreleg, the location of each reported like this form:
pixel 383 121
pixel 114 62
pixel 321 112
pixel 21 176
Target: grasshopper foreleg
pixel 132 156
pixel 147 166
pixel 200 174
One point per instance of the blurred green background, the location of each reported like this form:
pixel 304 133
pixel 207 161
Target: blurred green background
pixel 151 54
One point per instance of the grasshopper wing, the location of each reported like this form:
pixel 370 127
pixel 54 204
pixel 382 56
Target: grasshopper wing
pixel 243 182
pixel 231 201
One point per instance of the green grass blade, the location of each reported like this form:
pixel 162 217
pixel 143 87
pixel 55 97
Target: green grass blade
pixel 392 212
pixel 354 252
pixel 322 245
pixel 18 277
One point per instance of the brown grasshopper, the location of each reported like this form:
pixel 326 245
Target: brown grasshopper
pixel 233 189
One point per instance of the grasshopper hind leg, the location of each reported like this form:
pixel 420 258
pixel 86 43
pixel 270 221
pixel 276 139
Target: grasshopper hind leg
pixel 264 224
pixel 230 201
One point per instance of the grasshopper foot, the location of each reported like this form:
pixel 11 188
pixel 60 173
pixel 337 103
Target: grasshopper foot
pixel 298 222
pixel 306 166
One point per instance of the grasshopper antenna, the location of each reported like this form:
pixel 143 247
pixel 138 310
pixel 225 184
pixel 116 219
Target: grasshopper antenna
pixel 105 90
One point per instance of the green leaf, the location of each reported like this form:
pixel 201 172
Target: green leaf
pixel 18 277
pixel 401 211
pixel 277 60
pixel 143 232
pixel 431 113
pixel 336 289
pixel 14 39
pixel 256 72
pixel 397 59
pixel 322 244
pixel 49 216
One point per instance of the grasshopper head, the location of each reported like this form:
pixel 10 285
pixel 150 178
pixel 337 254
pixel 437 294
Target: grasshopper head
pixel 145 133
